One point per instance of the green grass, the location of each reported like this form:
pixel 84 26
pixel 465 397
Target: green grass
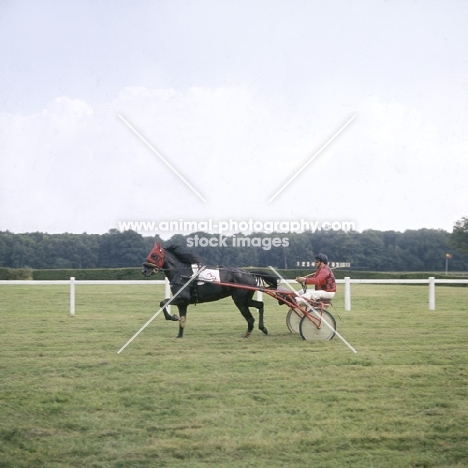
pixel 216 399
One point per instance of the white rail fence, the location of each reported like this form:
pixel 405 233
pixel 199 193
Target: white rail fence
pixel 72 282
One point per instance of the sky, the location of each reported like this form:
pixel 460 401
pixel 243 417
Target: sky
pixel 191 110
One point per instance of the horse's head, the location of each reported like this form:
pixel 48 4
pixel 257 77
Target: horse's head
pixel 154 261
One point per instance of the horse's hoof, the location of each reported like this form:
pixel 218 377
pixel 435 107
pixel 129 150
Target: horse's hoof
pixel 247 334
pixel 264 330
pixel 172 318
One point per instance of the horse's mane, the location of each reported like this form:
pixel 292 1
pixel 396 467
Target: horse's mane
pixel 183 254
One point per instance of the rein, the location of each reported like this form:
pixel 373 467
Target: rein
pixel 154 267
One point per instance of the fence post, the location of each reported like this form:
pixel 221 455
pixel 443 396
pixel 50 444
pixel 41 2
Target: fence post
pixel 167 295
pixel 347 293
pixel 72 296
pixel 431 293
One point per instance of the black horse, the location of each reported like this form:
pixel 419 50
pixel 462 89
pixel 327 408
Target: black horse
pixel 179 264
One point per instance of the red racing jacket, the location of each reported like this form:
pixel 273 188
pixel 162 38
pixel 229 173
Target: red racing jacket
pixel 324 279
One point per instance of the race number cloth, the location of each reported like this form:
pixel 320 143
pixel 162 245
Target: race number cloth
pixel 207 274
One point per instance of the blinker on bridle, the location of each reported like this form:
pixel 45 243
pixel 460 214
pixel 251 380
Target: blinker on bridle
pixel 155 259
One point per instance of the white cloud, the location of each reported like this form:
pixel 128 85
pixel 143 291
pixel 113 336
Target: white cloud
pixel 73 167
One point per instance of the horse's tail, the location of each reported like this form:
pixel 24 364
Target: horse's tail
pixel 265 277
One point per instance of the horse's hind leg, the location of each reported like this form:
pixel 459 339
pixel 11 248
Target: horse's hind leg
pixel 259 305
pixel 241 301
pixel 250 320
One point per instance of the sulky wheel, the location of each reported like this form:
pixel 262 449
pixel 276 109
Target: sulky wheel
pixel 293 320
pixel 310 332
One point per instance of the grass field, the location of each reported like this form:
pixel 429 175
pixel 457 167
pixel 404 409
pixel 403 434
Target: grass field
pixel 216 399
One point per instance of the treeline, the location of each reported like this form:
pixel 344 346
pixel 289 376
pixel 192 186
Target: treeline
pixel 412 250
pixel 37 250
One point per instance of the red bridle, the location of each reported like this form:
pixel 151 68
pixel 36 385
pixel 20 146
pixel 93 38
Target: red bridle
pixel 156 256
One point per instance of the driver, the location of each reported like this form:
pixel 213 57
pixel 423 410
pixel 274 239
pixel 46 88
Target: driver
pixel 323 278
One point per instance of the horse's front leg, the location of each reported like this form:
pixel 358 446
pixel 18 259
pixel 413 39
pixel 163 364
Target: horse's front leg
pixel 182 320
pixel 167 315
